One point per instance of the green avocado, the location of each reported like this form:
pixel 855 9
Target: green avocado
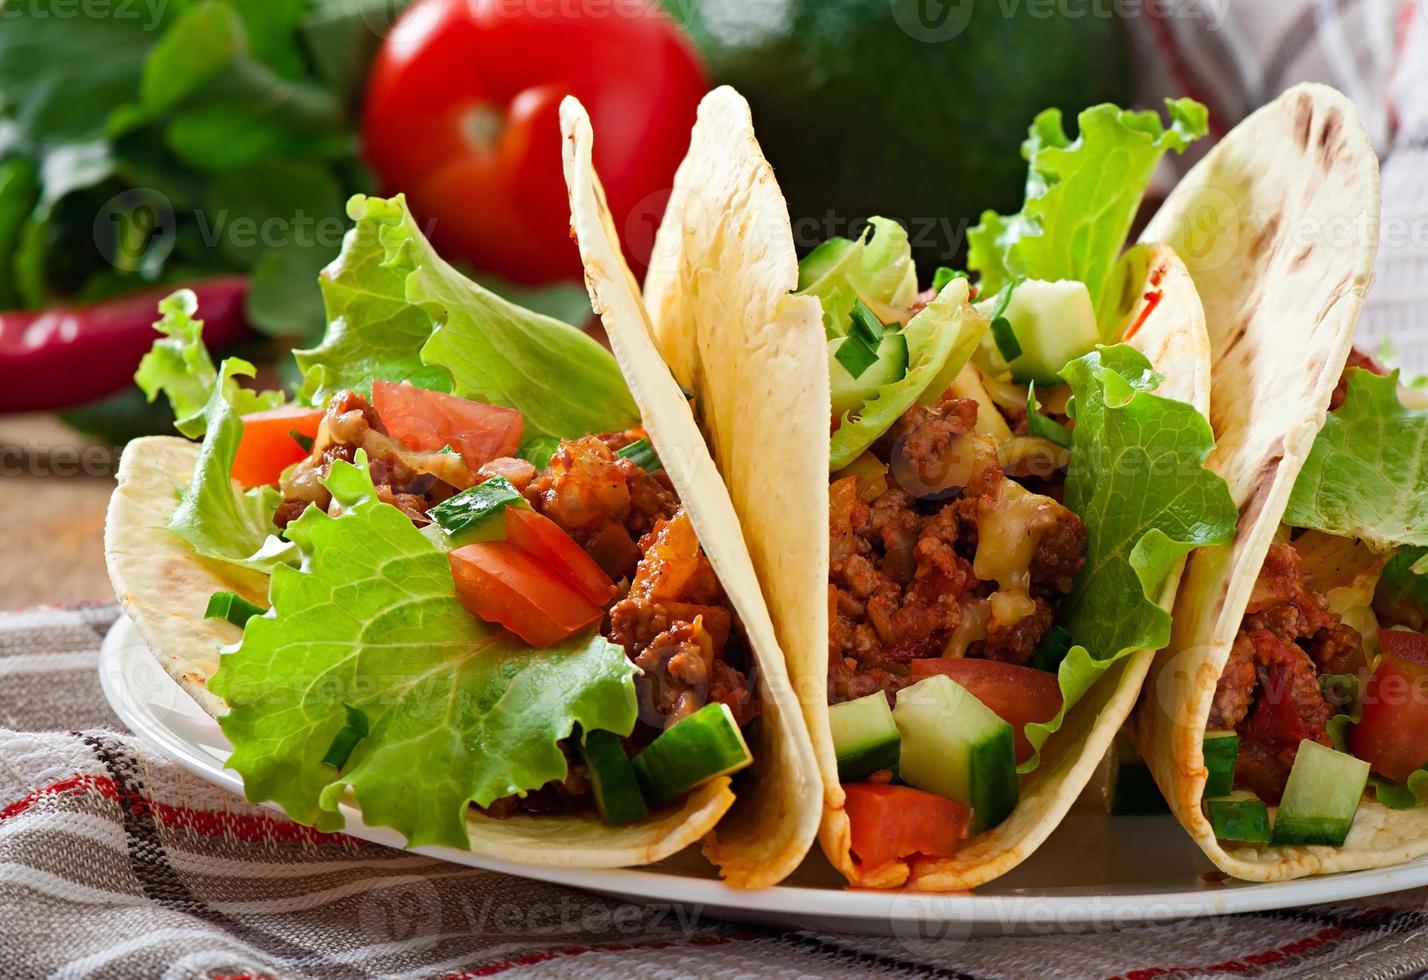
pixel 913 109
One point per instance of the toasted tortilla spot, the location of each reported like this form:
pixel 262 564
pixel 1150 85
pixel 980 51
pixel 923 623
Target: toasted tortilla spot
pixel 1329 138
pixel 1250 509
pixel 1267 238
pixel 1304 120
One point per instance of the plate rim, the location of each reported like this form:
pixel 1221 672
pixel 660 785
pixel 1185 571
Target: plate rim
pixel 846 906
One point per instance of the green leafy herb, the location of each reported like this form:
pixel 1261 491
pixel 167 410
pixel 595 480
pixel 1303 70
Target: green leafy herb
pixel 855 355
pixel 469 706
pixel 866 326
pixel 1041 426
pixel 1081 198
pixel 347 737
pixel 1005 337
pixel 474 505
pixel 232 607
pixel 642 454
pixel 1367 473
pixel 205 136
pixel 1137 478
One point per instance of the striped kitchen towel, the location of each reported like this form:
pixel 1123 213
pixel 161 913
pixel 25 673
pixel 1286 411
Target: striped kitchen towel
pixel 116 863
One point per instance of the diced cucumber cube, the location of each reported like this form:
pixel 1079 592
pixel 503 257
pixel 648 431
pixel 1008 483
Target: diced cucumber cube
pixel 865 737
pixel 1240 817
pixel 612 778
pixel 1054 323
pixel 957 747
pixel 1220 750
pixel 694 750
pixel 1321 797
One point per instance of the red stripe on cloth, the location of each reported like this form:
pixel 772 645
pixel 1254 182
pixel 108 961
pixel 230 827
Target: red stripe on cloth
pixel 1254 960
pixel 531 959
pixel 84 784
pixel 249 828
pixel 1166 43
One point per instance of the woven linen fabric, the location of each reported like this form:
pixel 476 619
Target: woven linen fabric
pixel 116 863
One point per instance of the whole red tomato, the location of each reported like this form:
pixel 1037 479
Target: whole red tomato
pixel 462 115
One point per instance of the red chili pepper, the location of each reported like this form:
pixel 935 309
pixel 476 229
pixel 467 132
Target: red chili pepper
pixel 66 356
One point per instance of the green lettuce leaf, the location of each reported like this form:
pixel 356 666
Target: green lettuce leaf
pixel 1081 198
pixel 180 366
pixel 1137 478
pixel 877 268
pixel 398 311
pixel 1367 474
pixel 940 339
pixel 372 330
pixel 371 619
pixel 215 516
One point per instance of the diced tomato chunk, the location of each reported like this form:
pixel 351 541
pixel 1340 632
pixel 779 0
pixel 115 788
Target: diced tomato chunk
pixel 1392 736
pixel 892 822
pixel 541 538
pixel 500 583
pixel 428 421
pixel 268 446
pixel 1019 695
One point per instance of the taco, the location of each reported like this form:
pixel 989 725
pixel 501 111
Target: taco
pixel 474 581
pixel 1287 722
pixel 969 576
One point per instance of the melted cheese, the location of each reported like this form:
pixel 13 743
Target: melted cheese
pixel 990 423
pixel 971 628
pixel 1344 570
pixel 1010 524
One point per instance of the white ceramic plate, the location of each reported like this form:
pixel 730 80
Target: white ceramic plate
pixel 1095 872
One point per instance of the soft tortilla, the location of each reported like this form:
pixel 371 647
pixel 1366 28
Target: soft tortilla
pixel 164 588
pixel 756 359
pixel 772 825
pixel 1279 227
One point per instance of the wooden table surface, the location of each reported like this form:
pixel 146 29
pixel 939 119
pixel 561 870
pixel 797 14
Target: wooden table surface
pixel 54 486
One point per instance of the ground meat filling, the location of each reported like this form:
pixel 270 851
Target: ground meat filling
pixel 903 564
pixel 1269 691
pixel 1357 359
pixel 674 622
pixel 604 501
pixel 413 482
